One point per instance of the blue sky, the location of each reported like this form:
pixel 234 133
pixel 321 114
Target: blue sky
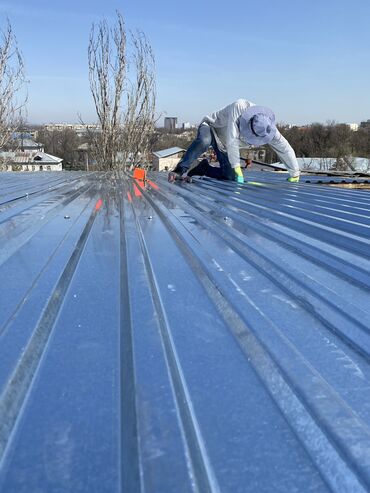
pixel 308 60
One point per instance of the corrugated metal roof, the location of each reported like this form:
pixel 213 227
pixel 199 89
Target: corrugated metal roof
pixel 183 338
pixel 168 152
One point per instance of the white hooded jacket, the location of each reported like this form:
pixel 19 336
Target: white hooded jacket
pixel 225 125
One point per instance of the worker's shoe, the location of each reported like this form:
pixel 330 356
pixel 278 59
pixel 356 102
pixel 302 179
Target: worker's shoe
pixel 239 179
pixel 172 176
pixel 200 169
pixel 176 174
pixel 179 175
pixel 293 179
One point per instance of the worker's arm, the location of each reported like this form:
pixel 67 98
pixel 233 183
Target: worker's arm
pixel 233 135
pixel 210 119
pixel 286 153
pixel 235 110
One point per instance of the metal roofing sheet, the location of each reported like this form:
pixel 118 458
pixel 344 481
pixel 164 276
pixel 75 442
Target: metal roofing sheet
pixel 189 337
pixel 49 158
pixel 168 152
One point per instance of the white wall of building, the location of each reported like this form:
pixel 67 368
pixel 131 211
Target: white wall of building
pixel 170 162
pixel 353 126
pixel 33 167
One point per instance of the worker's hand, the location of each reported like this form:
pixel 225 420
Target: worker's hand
pixel 239 174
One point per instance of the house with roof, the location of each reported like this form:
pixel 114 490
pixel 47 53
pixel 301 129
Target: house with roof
pixel 24 141
pixel 167 159
pixel 24 154
pixel 29 161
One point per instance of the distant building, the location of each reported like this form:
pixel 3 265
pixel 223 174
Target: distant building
pixel 24 141
pixel 186 125
pixel 167 159
pixel 79 128
pixel 25 154
pixel 33 134
pixel 353 126
pixel 170 123
pixel 365 125
pixel 29 161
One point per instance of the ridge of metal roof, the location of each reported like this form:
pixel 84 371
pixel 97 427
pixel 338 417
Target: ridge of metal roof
pixel 183 337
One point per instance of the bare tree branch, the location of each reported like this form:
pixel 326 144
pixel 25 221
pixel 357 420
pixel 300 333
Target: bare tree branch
pixel 125 108
pixel 13 95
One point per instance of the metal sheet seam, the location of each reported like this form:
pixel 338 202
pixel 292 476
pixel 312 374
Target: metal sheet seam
pixel 306 290
pixel 22 220
pixel 69 198
pixel 204 475
pixel 314 250
pixel 162 430
pixel 129 466
pixel 42 271
pixel 309 227
pixel 296 218
pixel 280 234
pixel 41 191
pixel 19 383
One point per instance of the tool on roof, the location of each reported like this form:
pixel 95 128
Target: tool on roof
pixel 139 174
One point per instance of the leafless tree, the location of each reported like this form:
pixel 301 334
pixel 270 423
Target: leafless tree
pixel 62 143
pixel 122 83
pixel 13 95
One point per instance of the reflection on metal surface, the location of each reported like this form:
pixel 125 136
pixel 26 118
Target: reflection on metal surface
pixel 183 337
pixel 137 191
pixel 98 204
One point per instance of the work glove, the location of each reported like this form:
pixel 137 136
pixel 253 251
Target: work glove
pixel 239 175
pixel 293 179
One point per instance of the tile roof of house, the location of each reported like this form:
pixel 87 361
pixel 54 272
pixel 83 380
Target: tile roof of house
pixel 183 337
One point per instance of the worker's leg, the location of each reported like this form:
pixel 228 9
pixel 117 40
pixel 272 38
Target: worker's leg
pixel 200 169
pixel 225 171
pixel 199 145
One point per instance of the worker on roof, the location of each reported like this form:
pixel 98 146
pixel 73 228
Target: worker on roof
pixel 241 124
